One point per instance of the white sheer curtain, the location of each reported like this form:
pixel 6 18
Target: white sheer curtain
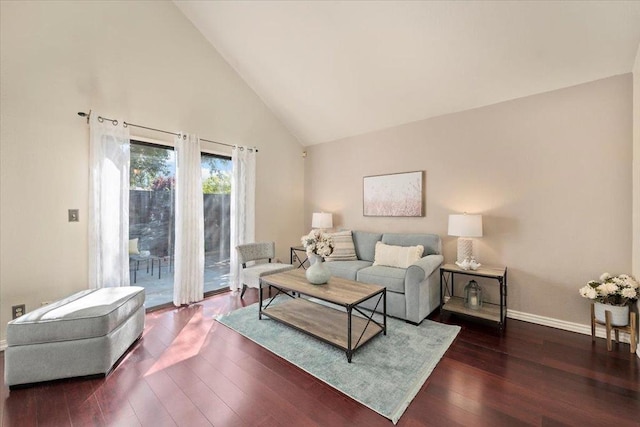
pixel 108 204
pixel 243 189
pixel 188 283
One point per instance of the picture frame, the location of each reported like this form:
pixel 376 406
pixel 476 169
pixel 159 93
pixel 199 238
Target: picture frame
pixel 394 195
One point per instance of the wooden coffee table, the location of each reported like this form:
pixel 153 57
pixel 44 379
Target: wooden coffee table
pixel 336 326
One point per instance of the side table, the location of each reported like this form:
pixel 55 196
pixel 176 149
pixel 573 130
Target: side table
pixel 297 260
pixel 455 304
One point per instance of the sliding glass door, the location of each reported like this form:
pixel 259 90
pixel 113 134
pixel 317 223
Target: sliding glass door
pixel 216 188
pixel 152 220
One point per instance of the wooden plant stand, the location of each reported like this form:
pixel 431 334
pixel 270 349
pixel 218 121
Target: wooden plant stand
pixel 630 328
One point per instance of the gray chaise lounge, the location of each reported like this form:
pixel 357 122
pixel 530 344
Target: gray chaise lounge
pixel 84 334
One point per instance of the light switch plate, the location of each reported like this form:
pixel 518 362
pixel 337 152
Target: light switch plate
pixel 74 215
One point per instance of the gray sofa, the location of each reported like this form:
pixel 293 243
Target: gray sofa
pixel 413 292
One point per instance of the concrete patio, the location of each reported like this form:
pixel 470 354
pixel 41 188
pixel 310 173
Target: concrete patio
pixel 159 291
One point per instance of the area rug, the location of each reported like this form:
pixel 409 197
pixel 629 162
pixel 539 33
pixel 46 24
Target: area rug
pixel 384 375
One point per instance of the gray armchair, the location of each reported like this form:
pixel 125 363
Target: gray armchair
pixel 250 274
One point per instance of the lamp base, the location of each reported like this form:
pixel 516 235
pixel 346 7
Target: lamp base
pixel 465 248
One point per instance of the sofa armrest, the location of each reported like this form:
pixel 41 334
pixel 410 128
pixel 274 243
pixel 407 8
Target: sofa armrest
pixel 421 269
pixel 422 287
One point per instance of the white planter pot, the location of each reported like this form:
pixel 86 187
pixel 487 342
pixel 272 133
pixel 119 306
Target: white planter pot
pixel 317 273
pixel 619 314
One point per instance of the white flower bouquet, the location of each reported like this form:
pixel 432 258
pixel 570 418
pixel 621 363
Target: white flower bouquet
pixel 318 242
pixel 613 290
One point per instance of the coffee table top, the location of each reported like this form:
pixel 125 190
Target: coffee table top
pixel 338 290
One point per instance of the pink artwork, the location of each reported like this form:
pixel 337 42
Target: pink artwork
pixel 399 194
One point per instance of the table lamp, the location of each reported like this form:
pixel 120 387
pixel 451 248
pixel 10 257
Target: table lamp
pixel 464 226
pixel 322 220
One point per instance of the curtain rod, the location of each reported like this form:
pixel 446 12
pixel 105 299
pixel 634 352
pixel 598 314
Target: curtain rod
pixel 125 124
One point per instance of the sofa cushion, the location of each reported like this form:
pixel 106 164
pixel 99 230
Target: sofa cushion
pixel 397 256
pixel 343 248
pixel 251 275
pixel 86 314
pixel 365 244
pixel 390 277
pixel 430 242
pixel 346 269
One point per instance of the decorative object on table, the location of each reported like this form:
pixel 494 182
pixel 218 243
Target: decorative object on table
pixel 399 194
pixel 469 264
pixel 465 226
pixel 322 220
pixel 473 295
pixel 473 264
pixel 465 265
pixel 613 294
pixel 318 244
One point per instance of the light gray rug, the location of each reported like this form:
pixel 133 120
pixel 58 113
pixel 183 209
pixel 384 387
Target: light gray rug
pixel 385 374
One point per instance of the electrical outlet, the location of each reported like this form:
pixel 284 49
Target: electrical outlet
pixel 74 215
pixel 17 310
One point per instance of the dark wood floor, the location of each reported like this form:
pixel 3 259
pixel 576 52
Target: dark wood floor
pixel 189 370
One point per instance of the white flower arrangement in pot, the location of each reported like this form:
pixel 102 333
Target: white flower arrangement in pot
pixel 616 292
pixel 318 242
pixel 612 290
pixel 318 245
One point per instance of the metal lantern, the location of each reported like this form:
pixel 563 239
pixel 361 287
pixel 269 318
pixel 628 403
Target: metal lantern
pixel 473 295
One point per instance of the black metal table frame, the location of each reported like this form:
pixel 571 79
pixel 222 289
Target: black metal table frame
pixel 502 282
pixel 294 256
pixel 349 307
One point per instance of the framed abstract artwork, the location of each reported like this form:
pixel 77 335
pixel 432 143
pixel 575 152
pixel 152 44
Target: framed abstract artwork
pixel 398 194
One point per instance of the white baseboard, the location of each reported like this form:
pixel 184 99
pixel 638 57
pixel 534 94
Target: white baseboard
pixel 527 317
pixel 562 324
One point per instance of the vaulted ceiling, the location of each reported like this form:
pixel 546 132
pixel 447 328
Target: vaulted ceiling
pixel 332 69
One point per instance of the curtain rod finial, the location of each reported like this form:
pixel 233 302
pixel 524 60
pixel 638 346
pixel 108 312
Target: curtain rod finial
pixel 83 114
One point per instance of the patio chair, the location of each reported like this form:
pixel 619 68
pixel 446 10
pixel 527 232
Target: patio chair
pixel 250 275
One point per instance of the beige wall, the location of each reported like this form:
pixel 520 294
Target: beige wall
pixel 140 61
pixel 551 174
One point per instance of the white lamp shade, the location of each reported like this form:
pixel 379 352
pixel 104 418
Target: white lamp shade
pixel 322 220
pixel 465 225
